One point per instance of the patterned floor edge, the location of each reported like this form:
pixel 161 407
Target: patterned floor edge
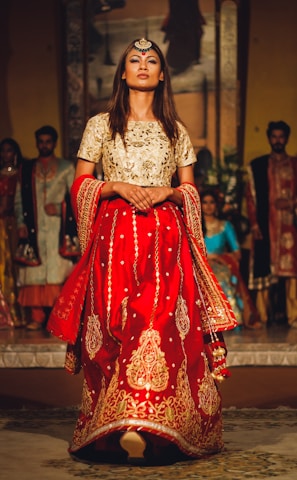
pixel 259 444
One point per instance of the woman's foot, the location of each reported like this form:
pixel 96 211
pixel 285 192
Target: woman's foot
pixel 149 450
pixel 134 444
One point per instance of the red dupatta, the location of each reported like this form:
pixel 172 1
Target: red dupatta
pixel 65 319
pixel 215 310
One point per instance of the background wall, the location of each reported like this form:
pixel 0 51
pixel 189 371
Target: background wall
pixel 272 73
pixel 31 50
pixel 30 85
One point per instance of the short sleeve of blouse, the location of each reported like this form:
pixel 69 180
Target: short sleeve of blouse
pixel 184 151
pixel 92 140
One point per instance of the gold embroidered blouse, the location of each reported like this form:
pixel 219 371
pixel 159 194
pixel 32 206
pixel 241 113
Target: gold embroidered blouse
pixel 147 160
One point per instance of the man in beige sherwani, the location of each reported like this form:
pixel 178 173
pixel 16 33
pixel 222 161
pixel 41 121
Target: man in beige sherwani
pixel 44 182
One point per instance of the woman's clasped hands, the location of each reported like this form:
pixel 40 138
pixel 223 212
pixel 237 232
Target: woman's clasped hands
pixel 142 198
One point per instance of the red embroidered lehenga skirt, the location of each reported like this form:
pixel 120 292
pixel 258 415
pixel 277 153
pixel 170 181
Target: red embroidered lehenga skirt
pixel 142 347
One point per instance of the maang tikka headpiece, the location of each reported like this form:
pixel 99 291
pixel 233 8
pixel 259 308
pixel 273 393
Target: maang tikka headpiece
pixel 143 45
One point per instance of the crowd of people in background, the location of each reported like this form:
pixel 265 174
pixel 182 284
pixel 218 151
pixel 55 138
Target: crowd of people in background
pixel 270 223
pixel 39 244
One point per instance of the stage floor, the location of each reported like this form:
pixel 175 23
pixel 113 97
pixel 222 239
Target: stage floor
pixel 259 445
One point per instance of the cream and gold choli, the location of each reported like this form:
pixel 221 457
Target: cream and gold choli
pixel 147 159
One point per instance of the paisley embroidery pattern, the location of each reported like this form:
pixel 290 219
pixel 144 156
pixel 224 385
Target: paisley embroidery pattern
pixel 182 318
pixel 94 337
pixel 148 369
pixel 207 393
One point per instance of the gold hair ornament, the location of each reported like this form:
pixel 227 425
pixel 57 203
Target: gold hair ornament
pixel 143 45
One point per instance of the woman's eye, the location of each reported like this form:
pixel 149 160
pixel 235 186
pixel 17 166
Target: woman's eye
pixel 134 60
pixel 152 61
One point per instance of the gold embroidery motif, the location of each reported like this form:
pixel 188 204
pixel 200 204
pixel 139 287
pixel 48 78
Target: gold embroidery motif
pixel 94 337
pixel 148 367
pixel 72 362
pixel 176 413
pixel 63 309
pixel 86 402
pixel 124 312
pixel 87 201
pixel 147 157
pixel 287 240
pixel 181 317
pixel 110 272
pixel 207 393
pixel 157 267
pixel 136 248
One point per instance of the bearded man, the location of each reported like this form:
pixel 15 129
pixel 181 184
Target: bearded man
pixel 45 250
pixel 272 204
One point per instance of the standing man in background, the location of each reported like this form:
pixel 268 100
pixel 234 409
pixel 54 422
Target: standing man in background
pixel 272 204
pixel 40 207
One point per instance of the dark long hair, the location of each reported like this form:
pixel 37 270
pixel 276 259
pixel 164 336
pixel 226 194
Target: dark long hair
pixel 163 103
pixel 16 148
pixel 208 193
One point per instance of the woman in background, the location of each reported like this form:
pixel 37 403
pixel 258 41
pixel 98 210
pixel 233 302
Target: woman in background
pixel 224 255
pixel 10 161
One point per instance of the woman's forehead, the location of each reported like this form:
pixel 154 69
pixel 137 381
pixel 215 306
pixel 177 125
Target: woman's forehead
pixel 150 53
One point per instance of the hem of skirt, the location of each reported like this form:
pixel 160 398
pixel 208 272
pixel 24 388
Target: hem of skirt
pixel 150 427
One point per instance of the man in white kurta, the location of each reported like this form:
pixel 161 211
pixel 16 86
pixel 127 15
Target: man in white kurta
pixel 48 180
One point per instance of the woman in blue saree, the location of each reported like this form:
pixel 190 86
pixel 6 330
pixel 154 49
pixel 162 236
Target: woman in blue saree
pixel 224 254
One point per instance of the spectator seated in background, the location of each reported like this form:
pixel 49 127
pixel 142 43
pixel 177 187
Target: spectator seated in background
pixel 224 255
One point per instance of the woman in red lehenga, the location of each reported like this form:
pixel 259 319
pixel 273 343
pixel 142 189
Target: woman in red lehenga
pixel 142 312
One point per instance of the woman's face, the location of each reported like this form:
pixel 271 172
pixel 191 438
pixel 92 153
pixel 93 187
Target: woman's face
pixel 208 205
pixel 143 70
pixel 7 154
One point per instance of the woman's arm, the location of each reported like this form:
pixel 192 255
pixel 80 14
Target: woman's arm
pixel 134 194
pixel 83 167
pixel 160 194
pixel 142 198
